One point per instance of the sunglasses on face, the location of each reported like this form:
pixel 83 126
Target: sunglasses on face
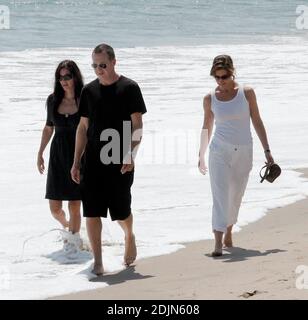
pixel 66 77
pixel 224 77
pixel 101 65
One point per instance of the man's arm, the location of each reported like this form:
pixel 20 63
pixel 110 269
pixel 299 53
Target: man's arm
pixel 137 126
pixel 80 145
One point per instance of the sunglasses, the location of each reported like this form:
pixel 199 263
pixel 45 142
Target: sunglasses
pixel 101 65
pixel 224 77
pixel 66 77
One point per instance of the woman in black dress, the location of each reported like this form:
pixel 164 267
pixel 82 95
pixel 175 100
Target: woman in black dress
pixel 63 118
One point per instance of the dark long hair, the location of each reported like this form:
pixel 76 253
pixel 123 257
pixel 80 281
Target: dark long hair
pixel 58 92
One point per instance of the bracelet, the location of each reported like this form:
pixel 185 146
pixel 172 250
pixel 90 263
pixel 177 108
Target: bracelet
pixel 267 151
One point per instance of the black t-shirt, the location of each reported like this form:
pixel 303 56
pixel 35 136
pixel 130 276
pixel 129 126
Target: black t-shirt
pixel 107 107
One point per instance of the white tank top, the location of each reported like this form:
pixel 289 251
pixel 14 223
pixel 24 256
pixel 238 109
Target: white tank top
pixel 232 119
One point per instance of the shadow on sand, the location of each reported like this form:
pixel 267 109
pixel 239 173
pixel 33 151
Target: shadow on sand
pixel 121 277
pixel 236 254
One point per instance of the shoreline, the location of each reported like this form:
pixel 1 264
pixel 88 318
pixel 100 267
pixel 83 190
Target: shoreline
pixel 261 265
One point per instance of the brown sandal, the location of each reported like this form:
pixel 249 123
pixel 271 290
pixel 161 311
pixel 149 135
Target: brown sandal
pixel 272 172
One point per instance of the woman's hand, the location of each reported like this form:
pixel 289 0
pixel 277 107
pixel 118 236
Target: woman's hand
pixel 269 158
pixel 40 163
pixel 202 166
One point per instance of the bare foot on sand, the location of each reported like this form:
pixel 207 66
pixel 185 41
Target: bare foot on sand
pixel 228 241
pixel 130 250
pixel 98 269
pixel 216 253
pixel 218 250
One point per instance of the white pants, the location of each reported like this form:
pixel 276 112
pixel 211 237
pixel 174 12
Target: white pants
pixel 229 168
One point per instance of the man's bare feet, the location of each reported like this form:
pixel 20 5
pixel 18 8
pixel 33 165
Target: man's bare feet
pixel 98 269
pixel 130 250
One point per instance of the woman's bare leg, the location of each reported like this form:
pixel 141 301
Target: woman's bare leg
pixel 228 237
pixel 218 244
pixel 57 212
pixel 75 218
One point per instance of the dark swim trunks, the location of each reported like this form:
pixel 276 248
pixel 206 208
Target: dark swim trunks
pixel 107 189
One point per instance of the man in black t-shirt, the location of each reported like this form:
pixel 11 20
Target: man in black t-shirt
pixel 111 109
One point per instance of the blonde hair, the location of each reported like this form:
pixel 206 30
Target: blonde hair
pixel 222 62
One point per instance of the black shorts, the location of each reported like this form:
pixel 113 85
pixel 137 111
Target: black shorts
pixel 106 189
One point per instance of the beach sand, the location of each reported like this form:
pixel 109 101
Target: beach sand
pixel 261 265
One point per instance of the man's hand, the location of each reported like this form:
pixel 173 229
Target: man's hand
pixel 128 164
pixel 75 173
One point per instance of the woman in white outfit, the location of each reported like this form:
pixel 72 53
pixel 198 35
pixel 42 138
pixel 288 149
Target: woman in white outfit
pixel 230 155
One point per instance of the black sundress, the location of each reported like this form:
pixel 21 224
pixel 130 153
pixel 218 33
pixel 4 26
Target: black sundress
pixel 60 185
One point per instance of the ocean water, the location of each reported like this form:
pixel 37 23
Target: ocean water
pixel 130 23
pixel 167 47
